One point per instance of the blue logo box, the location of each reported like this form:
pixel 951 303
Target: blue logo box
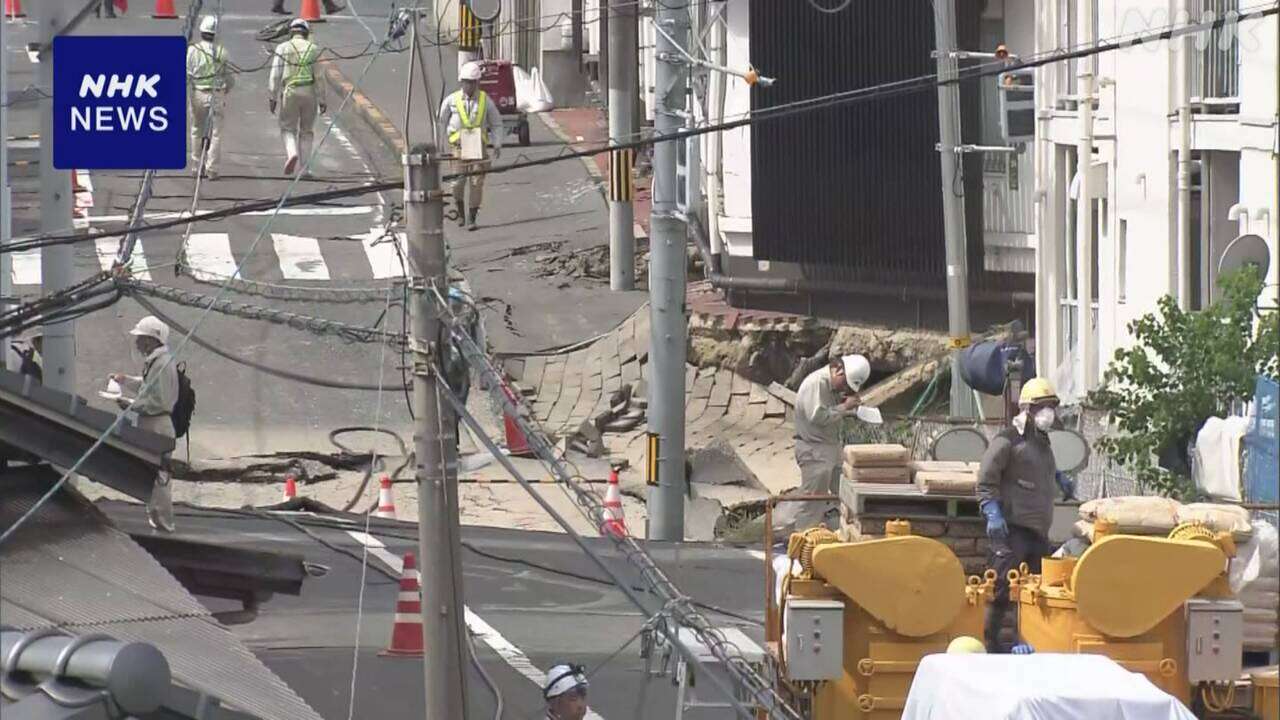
pixel 119 102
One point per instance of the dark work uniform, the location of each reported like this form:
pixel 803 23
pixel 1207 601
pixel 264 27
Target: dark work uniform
pixel 1017 471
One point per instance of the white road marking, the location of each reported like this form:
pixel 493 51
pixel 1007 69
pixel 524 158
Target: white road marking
pixel 300 257
pixel 209 256
pixel 511 654
pixel 93 219
pixel 318 211
pixel 384 260
pixel 26 267
pixel 107 249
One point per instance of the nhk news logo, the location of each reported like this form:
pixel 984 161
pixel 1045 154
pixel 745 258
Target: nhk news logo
pixel 119 103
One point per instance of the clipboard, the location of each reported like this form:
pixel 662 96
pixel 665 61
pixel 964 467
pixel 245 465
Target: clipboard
pixel 471 144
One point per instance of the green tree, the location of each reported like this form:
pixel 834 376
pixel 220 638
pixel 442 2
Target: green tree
pixel 1183 368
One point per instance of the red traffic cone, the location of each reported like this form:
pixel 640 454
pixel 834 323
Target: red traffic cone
pixel 614 521
pixel 386 500
pixel 406 632
pixel 517 443
pixel 13 9
pixel 165 10
pixel 290 489
pixel 309 10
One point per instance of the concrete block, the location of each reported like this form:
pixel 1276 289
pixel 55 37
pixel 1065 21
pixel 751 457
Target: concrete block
pixel 928 528
pixel 964 528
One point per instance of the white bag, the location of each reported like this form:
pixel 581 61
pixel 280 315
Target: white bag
pixel 537 97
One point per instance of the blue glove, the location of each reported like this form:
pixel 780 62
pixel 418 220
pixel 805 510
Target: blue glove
pixel 1066 484
pixel 1022 649
pixel 997 528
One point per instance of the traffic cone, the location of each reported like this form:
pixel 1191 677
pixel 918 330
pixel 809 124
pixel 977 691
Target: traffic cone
pixel 614 521
pixel 13 9
pixel 290 489
pixel 165 10
pixel 309 10
pixel 517 443
pixel 386 500
pixel 406 632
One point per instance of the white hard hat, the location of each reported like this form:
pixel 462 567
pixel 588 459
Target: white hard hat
pixel 857 369
pixel 469 71
pixel 563 678
pixel 151 327
pixel 299 25
pixel 209 25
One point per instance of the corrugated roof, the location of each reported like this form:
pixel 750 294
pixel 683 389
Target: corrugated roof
pixel 69 567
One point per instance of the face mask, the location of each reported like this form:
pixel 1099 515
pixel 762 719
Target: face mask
pixel 1044 419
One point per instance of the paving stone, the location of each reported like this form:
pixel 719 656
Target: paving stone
pixel 722 390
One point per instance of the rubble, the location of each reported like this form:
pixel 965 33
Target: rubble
pixel 589 264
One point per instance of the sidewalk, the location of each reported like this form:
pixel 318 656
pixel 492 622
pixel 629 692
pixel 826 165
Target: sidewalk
pixel 588 128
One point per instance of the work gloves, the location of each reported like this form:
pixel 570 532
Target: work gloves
pixel 1022 649
pixel 1066 484
pixel 997 528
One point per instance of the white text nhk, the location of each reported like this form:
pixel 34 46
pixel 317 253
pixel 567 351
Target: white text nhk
pixel 108 118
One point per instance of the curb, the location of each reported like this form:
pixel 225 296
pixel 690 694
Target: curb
pixel 373 117
pixel 550 122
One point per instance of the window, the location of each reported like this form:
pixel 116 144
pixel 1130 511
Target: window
pixel 1070 37
pixel 1215 62
pixel 1122 262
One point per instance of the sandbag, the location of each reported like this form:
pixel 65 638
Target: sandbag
pixel 943 466
pixel 872 455
pixel 946 482
pixel 884 475
pixel 1218 517
pixel 1135 515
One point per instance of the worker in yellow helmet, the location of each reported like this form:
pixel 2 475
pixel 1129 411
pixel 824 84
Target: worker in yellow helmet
pixel 294 88
pixel 471 122
pixel 1016 492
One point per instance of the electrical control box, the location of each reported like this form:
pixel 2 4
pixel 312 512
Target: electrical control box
pixel 814 639
pixel 1215 640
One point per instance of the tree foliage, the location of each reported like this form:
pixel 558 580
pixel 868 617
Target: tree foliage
pixel 1183 368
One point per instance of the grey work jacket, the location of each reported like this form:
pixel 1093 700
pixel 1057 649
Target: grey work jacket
pixel 1017 471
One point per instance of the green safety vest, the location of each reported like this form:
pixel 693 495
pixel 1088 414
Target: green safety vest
pixel 468 123
pixel 206 70
pixel 299 71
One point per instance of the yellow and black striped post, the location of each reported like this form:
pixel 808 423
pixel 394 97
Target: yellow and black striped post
pixel 468 28
pixel 651 460
pixel 621 186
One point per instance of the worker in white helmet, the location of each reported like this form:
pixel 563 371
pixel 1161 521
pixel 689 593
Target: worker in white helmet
pixel 154 394
pixel 470 123
pixel 566 693
pixel 294 89
pixel 209 78
pixel 826 397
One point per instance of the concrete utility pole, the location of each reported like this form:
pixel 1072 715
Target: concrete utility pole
pixel 1086 344
pixel 667 260
pixel 944 16
pixel 56 266
pixel 435 442
pixel 6 211
pixel 622 40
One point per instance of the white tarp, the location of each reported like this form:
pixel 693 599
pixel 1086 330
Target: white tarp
pixel 1217 449
pixel 1035 687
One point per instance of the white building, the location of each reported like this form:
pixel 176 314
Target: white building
pixel 1132 248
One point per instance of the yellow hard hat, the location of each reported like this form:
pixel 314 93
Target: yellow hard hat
pixel 965 645
pixel 1037 390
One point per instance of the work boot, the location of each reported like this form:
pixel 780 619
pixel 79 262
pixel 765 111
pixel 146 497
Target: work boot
pixel 160 504
pixel 290 165
pixel 472 225
pixel 462 213
pixel 278 8
pixel 331 7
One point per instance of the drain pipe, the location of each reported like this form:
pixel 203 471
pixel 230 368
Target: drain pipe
pixel 715 143
pixel 1183 85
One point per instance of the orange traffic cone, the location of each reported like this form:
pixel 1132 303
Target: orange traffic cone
pixel 290 489
pixel 165 10
pixel 406 632
pixel 517 443
pixel 13 9
pixel 309 10
pixel 614 521
pixel 386 500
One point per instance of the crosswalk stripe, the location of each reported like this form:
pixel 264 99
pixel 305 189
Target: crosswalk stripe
pixel 384 260
pixel 107 249
pixel 300 257
pixel 209 256
pixel 26 267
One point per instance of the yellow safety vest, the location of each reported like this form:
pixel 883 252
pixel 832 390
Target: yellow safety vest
pixel 299 71
pixel 205 70
pixel 460 107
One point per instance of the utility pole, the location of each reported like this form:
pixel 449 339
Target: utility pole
pixel 667 260
pixel 952 160
pixel 435 442
pixel 622 39
pixel 55 211
pixel 1086 345
pixel 6 211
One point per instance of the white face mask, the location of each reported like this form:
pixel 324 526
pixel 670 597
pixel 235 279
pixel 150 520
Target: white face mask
pixel 1044 419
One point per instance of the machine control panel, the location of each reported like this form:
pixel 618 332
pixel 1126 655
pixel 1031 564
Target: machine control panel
pixel 814 639
pixel 1215 640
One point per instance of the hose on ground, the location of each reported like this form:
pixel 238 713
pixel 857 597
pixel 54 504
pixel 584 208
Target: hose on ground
pixel 375 463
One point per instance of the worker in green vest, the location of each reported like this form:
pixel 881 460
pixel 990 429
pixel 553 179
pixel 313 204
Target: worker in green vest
pixel 208 78
pixel 472 123
pixel 294 89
